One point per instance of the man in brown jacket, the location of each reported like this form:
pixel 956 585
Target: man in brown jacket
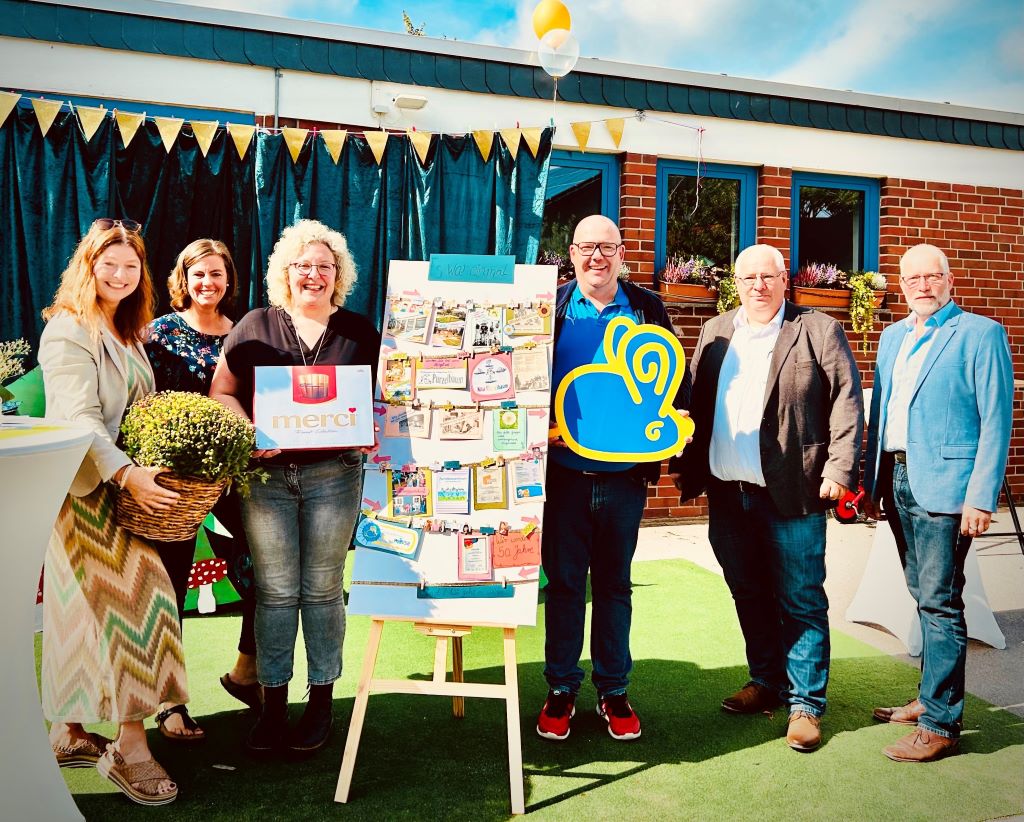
pixel 779 413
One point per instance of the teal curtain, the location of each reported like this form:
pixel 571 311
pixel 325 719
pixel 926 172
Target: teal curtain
pixel 403 209
pixel 52 188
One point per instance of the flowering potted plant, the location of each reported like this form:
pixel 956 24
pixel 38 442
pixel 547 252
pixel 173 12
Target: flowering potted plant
pixel 728 291
pixel 823 285
pixel 867 292
pixel 560 261
pixel 693 279
pixel 11 355
pixel 203 445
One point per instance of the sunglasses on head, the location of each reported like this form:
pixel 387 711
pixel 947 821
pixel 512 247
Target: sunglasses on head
pixel 106 223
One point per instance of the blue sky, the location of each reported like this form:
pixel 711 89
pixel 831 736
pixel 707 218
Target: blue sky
pixel 969 52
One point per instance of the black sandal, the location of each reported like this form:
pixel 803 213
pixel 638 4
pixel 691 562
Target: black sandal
pixel 197 734
pixel 251 694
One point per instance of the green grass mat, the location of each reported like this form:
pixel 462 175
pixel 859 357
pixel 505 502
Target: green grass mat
pixel 693 762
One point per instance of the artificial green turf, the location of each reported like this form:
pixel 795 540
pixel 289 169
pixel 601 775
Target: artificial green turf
pixel 693 762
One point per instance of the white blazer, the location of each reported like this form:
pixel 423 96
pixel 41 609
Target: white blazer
pixel 85 382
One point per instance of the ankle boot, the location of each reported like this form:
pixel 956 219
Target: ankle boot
pixel 268 734
pixel 314 728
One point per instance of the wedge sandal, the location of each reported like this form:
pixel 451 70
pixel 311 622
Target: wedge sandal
pixel 82 753
pixel 139 781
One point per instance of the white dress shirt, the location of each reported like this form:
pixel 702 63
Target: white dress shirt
pixel 735 452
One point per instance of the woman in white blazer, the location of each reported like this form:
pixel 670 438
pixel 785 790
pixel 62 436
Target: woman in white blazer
pixel 111 642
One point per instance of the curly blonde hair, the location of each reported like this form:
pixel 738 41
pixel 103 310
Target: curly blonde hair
pixel 177 280
pixel 76 294
pixel 291 244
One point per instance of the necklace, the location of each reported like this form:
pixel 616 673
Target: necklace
pixel 319 345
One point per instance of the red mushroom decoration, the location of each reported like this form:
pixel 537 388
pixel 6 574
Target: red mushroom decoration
pixel 204 574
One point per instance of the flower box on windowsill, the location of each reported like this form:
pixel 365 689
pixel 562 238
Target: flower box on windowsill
pixel 829 297
pixel 688 292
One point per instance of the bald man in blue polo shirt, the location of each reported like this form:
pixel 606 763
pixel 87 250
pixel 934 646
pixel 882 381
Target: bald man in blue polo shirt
pixel 593 508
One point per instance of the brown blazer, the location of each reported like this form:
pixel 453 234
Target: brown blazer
pixel 813 410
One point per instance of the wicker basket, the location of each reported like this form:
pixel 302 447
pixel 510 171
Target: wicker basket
pixel 180 521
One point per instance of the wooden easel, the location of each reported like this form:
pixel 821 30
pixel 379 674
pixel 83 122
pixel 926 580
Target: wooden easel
pixel 439 685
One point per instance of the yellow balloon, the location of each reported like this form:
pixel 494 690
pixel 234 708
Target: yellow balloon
pixel 550 14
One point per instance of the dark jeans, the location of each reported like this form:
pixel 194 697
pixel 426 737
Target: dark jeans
pixel 933 552
pixel 177 559
pixel 775 568
pixel 590 522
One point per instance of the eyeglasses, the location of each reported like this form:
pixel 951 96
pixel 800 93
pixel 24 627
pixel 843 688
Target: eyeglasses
pixel 107 223
pixel 767 279
pixel 306 268
pixel 914 280
pixel 606 249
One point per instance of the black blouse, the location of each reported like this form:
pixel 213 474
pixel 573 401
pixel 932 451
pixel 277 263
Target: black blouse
pixel 266 336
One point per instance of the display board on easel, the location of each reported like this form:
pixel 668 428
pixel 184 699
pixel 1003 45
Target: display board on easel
pixel 453 498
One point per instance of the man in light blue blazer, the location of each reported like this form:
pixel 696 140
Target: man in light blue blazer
pixel 938 439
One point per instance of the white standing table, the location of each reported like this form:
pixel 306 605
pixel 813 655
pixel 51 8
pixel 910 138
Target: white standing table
pixel 38 460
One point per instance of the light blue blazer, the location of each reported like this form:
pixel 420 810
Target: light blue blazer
pixel 958 428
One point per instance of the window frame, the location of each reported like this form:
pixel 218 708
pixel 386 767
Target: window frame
pixel 609 165
pixel 747 177
pixel 871 188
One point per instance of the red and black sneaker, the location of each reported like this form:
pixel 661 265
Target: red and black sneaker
pixel 623 723
pixel 553 722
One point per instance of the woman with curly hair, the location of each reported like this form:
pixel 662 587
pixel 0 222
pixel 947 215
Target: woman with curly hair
pixel 111 641
pixel 299 524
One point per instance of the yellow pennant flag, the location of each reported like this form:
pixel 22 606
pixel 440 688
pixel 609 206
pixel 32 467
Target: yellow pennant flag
pixel 334 139
pixel 421 142
pixel 511 138
pixel 128 123
pixel 204 131
pixel 294 139
pixel 46 112
pixel 90 119
pixel 377 140
pixel 582 132
pixel 615 127
pixel 7 103
pixel 241 136
pixel 532 137
pixel 484 140
pixel 168 128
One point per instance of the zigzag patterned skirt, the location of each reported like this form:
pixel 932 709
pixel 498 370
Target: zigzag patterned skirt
pixel 112 646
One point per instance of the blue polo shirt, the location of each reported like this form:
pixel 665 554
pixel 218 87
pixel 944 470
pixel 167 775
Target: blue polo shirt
pixel 579 343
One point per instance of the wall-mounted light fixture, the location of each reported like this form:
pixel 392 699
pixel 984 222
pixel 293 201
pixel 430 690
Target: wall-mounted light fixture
pixel 410 102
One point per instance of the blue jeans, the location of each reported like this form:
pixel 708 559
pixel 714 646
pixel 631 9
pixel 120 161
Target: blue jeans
pixel 775 568
pixel 590 522
pixel 299 526
pixel 933 552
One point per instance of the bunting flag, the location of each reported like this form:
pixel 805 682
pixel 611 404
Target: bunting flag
pixel 334 140
pixel 90 119
pixel 7 103
pixel 582 132
pixel 510 136
pixel 615 127
pixel 294 138
pixel 46 112
pixel 378 141
pixel 484 141
pixel 241 136
pixel 532 137
pixel 128 123
pixel 421 142
pixel 168 128
pixel 204 131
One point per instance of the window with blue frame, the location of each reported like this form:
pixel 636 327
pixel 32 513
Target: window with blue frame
pixel 711 214
pixel 834 219
pixel 578 185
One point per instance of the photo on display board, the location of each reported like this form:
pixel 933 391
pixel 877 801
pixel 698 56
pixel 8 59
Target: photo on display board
pixel 406 421
pixel 449 327
pixel 461 424
pixel 484 328
pixel 409 320
pixel 523 321
pixel 396 381
pixel 409 493
pixel 530 369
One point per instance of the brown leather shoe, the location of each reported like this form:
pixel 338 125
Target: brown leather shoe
pixel 751 699
pixel 804 731
pixel 904 715
pixel 922 746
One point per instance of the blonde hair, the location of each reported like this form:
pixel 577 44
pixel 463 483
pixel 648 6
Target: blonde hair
pixel 76 294
pixel 177 280
pixel 291 244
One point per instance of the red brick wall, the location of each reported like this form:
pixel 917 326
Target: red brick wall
pixel 980 228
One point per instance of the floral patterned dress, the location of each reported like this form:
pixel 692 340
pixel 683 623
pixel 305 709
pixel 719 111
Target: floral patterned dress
pixel 183 359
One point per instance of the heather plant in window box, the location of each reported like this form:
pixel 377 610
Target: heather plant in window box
pixel 821 285
pixel 690 279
